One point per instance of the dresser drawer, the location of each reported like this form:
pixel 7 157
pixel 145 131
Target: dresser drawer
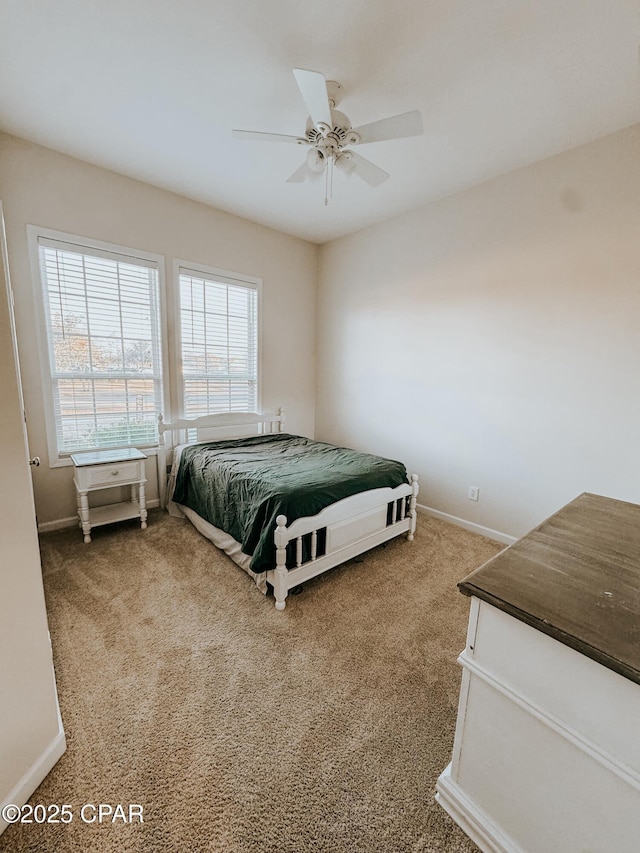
pixel 97 476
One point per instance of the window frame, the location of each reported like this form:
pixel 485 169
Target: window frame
pixel 57 458
pixel 234 278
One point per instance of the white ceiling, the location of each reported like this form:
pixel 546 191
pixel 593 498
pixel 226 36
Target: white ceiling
pixel 153 88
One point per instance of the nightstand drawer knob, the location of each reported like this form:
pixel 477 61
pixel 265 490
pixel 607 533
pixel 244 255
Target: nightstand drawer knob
pixel 114 472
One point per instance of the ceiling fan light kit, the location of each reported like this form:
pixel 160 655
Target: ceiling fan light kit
pixel 329 133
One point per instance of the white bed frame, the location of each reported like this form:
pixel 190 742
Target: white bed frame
pixel 353 525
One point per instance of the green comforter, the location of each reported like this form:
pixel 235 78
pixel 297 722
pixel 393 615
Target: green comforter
pixel 241 485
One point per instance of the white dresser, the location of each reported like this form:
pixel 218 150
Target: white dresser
pixel 546 757
pixel 107 469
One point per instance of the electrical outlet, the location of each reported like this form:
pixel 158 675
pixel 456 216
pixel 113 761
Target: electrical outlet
pixel 474 493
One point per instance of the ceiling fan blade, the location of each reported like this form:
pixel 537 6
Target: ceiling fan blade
pixel 313 88
pixel 394 127
pixel 299 175
pixel 256 136
pixel 368 171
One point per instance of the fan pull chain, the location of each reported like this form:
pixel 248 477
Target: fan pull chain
pixel 326 185
pixel 328 181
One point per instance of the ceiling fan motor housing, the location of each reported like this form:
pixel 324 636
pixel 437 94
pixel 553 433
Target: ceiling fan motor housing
pixel 330 141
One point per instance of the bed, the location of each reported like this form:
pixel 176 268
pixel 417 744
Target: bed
pixel 283 507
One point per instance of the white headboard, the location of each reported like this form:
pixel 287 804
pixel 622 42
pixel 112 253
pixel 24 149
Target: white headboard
pixel 211 428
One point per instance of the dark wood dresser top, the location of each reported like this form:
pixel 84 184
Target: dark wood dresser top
pixel 575 577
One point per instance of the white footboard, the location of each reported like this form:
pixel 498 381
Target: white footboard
pixel 339 533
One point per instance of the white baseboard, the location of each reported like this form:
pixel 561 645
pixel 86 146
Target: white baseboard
pixel 72 521
pixel 496 535
pixel 21 792
pixel 58 524
pixel 471 818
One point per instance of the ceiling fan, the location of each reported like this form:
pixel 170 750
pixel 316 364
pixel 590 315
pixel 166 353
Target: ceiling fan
pixel 329 134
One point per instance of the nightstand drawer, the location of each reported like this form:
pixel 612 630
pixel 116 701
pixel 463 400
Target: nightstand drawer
pixel 110 475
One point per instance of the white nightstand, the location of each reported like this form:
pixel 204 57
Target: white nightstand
pixel 104 469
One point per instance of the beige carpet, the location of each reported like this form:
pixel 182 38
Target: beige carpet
pixel 244 730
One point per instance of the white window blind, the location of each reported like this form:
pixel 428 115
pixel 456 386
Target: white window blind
pixel 103 324
pixel 219 338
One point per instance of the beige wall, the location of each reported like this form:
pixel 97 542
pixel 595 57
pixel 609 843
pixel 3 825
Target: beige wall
pixel 502 323
pixel 493 338
pixel 41 187
pixel 30 736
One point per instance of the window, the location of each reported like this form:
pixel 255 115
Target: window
pixel 219 341
pixel 102 313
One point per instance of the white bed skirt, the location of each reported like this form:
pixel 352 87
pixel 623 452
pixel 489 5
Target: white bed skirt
pixel 224 541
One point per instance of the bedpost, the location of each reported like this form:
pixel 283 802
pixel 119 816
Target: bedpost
pixel 281 416
pixel 412 506
pixel 162 463
pixel 280 588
